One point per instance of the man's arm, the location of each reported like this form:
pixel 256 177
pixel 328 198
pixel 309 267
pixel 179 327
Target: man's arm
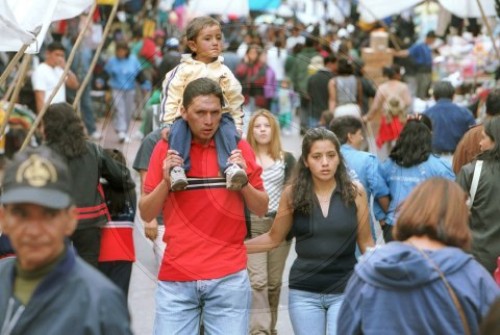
pixel 256 200
pixel 150 227
pixel 152 203
pixel 72 81
pixel 402 53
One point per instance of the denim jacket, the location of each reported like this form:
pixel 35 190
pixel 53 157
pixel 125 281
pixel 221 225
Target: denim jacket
pixel 366 167
pixel 402 180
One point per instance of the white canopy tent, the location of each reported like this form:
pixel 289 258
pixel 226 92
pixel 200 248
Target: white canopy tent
pixel 27 21
pixel 373 10
pixel 223 7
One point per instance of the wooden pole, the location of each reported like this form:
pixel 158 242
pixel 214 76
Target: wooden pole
pixel 488 28
pixel 61 80
pixel 105 33
pixel 12 64
pixel 7 94
pixel 20 82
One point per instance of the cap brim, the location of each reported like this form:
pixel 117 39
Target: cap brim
pixel 47 198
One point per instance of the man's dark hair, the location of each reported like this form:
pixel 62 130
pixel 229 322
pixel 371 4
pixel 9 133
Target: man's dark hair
pixel 199 87
pixel 431 34
pixel 443 90
pixel 55 46
pixel 331 58
pixel 345 125
pixel 493 102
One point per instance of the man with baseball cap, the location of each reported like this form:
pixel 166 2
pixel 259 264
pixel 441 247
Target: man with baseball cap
pixel 47 288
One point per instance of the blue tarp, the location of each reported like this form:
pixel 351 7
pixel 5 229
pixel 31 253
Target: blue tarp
pixel 264 5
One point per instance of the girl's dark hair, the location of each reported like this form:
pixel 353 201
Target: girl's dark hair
pixel 392 71
pixel 123 46
pixel 302 185
pixel 414 145
pixel 344 67
pixel 63 130
pixel 492 129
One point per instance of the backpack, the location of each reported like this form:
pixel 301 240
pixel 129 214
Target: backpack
pixel 394 106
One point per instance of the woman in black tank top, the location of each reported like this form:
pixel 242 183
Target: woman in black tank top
pixel 328 214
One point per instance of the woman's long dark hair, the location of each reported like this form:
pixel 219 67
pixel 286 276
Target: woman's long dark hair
pixel 414 145
pixel 302 185
pixel 492 129
pixel 63 130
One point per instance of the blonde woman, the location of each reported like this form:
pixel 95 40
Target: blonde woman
pixel 266 268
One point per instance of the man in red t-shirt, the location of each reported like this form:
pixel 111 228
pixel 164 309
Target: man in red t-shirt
pixel 203 271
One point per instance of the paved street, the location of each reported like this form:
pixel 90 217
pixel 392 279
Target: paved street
pixel 143 282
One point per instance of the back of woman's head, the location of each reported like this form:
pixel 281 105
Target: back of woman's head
pixel 63 130
pixel 303 194
pixel 275 144
pixel 437 209
pixel 392 72
pixel 344 67
pixel 414 144
pixel 492 130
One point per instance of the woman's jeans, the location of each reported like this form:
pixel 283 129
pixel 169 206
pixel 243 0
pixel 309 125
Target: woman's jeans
pixel 314 313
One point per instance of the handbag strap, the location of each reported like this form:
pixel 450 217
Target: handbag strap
pixel 450 289
pixel 475 181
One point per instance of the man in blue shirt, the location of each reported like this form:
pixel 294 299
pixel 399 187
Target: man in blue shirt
pixel 420 78
pixel 349 131
pixel 449 121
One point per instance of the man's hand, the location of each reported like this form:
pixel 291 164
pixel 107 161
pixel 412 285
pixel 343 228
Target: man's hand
pixel 151 229
pixel 237 158
pixel 173 159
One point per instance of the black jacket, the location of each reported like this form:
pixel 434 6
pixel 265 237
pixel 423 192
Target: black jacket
pixel 86 171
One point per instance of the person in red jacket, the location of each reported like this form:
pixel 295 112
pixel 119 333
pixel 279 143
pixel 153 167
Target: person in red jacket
pixel 117 243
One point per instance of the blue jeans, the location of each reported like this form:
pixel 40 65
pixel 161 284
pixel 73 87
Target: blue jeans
pixel 226 140
pixel 314 313
pixel 223 303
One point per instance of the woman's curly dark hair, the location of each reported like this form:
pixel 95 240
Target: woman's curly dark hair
pixel 63 130
pixel 302 184
pixel 414 145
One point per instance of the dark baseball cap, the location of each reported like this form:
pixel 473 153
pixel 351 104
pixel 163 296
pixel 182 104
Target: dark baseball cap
pixel 38 176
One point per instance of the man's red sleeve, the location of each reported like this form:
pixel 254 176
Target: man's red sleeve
pixel 155 169
pixel 254 170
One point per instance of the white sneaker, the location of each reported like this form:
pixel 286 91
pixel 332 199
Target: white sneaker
pixel 138 135
pixel 121 136
pixel 96 135
pixel 178 180
pixel 236 177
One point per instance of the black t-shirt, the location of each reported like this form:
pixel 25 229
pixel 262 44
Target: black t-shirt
pixel 317 88
pixel 325 247
pixel 141 161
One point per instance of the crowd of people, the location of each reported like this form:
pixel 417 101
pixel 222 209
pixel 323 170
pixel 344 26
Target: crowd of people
pixel 223 202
